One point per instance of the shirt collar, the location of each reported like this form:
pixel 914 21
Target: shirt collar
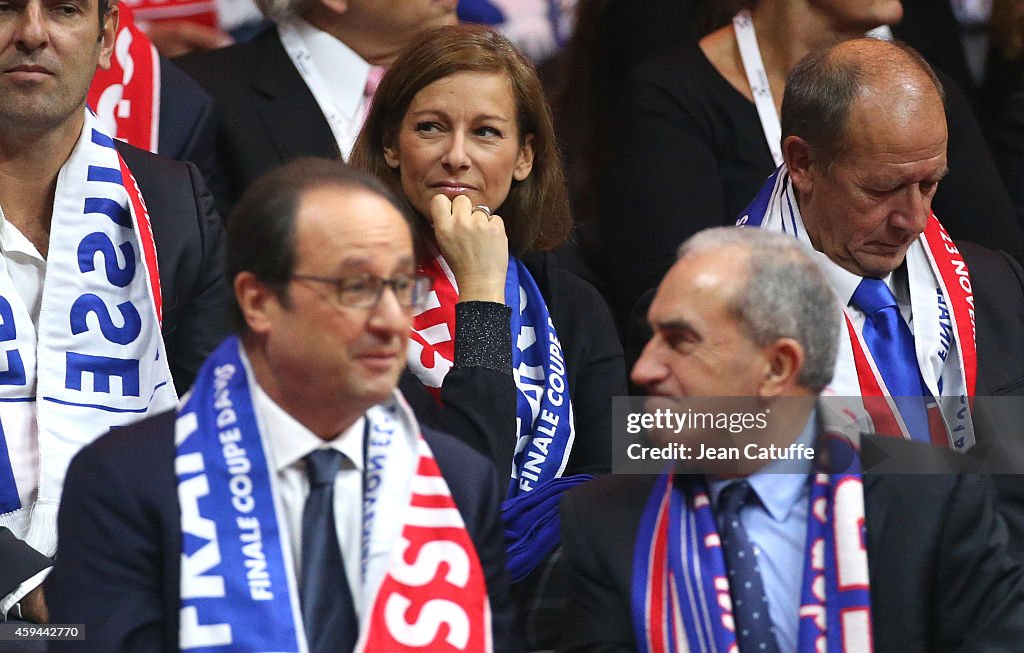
pixel 778 492
pixel 845 283
pixel 343 72
pixel 12 240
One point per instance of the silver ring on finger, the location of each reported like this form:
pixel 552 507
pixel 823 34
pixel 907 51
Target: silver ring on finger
pixel 485 210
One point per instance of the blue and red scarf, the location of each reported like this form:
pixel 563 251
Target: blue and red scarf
pixel 238 588
pixel 681 599
pixel 942 299
pixel 545 428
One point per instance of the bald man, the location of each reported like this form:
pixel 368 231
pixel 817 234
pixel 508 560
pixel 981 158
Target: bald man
pixel 929 324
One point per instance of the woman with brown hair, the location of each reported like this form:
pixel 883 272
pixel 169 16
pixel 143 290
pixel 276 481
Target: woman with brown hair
pixel 521 356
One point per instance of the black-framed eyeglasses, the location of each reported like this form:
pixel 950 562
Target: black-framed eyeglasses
pixel 365 290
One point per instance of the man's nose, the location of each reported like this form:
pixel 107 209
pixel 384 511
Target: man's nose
pixel 389 316
pixel 31 31
pixel 915 207
pixel 648 369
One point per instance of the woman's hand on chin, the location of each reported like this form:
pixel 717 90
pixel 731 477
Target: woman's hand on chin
pixel 475 247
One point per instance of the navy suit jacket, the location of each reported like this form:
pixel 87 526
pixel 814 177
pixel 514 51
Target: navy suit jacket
pixel 189 238
pixel 941 575
pixel 118 561
pixel 265 115
pixel 187 123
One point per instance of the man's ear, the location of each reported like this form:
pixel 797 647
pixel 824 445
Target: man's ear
pixel 784 360
pixel 799 157
pixel 256 301
pixel 108 36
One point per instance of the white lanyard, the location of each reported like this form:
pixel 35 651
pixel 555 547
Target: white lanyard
pixel 758 79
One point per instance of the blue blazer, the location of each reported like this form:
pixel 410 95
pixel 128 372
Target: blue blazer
pixel 118 560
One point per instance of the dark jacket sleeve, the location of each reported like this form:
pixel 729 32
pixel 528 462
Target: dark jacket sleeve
pixel 478 395
pixel 998 413
pixel 598 532
pixel 18 562
pixel 980 606
pixel 203 320
pixel 111 557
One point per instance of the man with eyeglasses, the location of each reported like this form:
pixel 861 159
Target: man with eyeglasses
pixel 292 502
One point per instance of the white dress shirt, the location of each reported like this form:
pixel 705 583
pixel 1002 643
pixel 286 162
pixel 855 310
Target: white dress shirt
pixel 343 74
pixel 26 268
pixel 845 283
pixel 289 443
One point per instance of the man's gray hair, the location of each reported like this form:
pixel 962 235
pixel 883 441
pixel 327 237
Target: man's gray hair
pixel 786 295
pixel 822 87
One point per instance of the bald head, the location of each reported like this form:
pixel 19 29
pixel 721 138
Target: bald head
pixel 864 139
pixel 823 89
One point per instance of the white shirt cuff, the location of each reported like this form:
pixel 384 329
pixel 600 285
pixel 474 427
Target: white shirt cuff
pixel 10 602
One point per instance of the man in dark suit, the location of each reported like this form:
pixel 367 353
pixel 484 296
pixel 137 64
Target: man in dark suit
pixel 862 165
pixel 111 290
pixel 302 88
pixel 929 320
pixel 325 285
pixel 921 560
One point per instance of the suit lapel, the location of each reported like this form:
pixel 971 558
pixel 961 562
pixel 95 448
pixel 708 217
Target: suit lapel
pixel 290 115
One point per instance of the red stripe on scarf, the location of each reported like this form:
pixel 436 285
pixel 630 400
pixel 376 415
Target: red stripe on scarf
pixel 961 295
pixel 658 572
pixel 145 235
pixel 447 297
pixel 434 596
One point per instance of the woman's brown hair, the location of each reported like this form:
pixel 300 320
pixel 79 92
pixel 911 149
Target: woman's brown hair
pixel 536 212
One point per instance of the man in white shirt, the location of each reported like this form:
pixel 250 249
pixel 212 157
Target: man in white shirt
pixel 111 289
pixel 302 88
pixel 292 499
